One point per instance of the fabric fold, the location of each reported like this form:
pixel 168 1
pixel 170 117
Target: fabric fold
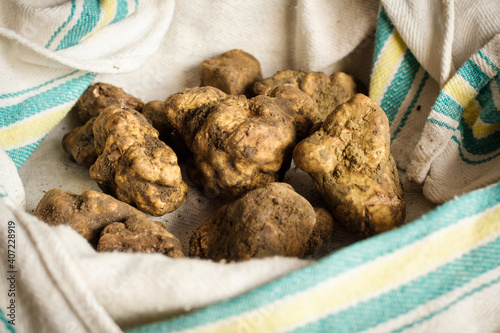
pixel 49 68
pixel 444 130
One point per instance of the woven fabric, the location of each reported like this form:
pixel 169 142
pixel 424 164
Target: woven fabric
pixel 440 272
pixel 419 278
pixel 46 70
pixel 447 138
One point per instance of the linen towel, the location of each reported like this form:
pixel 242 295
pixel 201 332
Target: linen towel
pixel 439 86
pixel 440 272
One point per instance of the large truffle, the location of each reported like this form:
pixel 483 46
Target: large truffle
pixel 237 144
pixel 268 221
pixel 349 159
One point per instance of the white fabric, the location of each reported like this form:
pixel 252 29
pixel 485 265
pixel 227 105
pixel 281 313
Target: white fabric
pixel 115 49
pixel 11 182
pixel 63 284
pixel 442 35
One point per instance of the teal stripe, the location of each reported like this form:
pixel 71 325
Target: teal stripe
pixel 5 321
pixel 400 85
pixel 468 161
pixel 384 30
pixel 440 123
pixel 401 300
pixel 411 106
pixel 473 74
pixel 490 113
pixel 88 20
pixel 478 146
pixel 446 105
pixel 339 262
pixel 488 61
pixel 121 10
pixel 488 107
pixel 484 146
pixel 461 298
pixel 22 92
pixel 66 92
pixel 70 17
pixel 21 154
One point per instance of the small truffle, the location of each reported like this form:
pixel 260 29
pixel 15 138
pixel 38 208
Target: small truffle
pixel 234 72
pixel 79 144
pixel 139 234
pixel 322 231
pixel 99 96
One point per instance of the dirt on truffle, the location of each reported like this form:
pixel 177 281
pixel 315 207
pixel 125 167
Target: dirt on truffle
pixel 234 72
pixel 350 161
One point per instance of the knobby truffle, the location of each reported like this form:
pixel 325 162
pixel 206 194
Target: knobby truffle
pixel 269 221
pixel 237 144
pixel 133 164
pixel 107 223
pixel 126 157
pixel 99 96
pixel 234 72
pixel 349 159
pixel 327 92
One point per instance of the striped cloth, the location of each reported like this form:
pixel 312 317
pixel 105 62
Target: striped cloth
pixel 438 274
pixel 46 70
pixel 448 138
pixel 32 113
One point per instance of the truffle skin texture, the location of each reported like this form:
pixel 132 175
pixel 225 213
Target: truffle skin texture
pixel 139 234
pixel 234 72
pixel 349 159
pixel 99 96
pixel 327 92
pixel 79 144
pixel 238 144
pixel 92 212
pixel 268 221
pixel 322 231
pixel 134 165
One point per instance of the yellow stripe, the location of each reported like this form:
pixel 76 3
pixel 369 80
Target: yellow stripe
pixel 31 130
pixel 386 64
pixel 460 90
pixel 482 130
pixel 471 115
pixel 330 297
pixel 108 7
pixel 472 112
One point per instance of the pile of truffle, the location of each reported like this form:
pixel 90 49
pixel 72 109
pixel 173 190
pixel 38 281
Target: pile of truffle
pixel 237 134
